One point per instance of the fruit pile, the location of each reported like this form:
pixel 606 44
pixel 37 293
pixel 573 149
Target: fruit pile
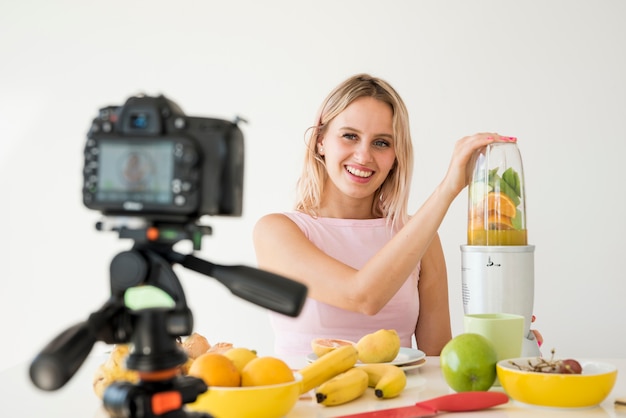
pixel 344 380
pixel 381 346
pixel 240 367
pixel 496 209
pixel 335 376
pixel 500 199
pixel 217 365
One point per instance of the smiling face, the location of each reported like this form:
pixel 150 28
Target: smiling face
pixel 358 148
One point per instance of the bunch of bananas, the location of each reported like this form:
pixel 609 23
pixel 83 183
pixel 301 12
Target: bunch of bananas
pixel 387 380
pixel 337 379
pixel 328 366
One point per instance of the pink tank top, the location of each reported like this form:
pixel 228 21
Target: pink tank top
pixel 353 242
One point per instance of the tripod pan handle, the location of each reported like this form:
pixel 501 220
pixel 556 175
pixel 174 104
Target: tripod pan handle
pixel 263 288
pixel 61 358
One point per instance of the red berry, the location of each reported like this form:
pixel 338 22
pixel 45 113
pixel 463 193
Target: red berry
pixel 570 366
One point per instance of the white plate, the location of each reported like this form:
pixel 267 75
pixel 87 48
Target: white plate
pixel 413 365
pixel 406 358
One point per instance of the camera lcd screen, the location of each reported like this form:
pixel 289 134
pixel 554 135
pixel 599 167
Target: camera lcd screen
pixel 138 172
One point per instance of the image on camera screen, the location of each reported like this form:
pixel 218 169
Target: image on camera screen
pixel 136 172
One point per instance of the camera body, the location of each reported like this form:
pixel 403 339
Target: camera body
pixel 148 159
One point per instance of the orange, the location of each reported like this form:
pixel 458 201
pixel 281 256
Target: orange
pixel 323 346
pixel 266 370
pixel 216 370
pixel 501 203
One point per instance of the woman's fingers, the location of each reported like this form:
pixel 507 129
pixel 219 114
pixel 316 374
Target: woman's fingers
pixel 458 174
pixel 537 334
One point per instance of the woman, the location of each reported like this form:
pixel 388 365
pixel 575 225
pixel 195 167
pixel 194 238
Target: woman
pixel 366 263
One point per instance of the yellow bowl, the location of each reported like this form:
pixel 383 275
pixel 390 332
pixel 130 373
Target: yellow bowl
pixel 557 390
pixel 271 401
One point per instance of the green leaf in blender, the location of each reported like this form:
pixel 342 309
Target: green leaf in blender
pixel 512 179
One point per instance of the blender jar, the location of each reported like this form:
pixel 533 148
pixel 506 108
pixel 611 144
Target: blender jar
pixel 497 210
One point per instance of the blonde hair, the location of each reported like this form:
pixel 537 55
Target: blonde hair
pixel 391 198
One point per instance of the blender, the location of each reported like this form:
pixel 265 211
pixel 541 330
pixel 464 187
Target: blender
pixel 497 264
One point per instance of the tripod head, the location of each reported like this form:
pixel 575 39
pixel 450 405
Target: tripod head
pixel 133 314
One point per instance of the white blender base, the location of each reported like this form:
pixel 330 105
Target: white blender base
pixel 500 279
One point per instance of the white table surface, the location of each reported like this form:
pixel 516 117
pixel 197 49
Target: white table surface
pixel 21 399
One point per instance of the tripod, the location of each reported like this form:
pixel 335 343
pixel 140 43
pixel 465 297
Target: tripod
pixel 153 328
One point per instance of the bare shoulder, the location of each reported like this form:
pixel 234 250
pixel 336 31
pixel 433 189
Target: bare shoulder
pixel 273 220
pixel 277 240
pixel 274 225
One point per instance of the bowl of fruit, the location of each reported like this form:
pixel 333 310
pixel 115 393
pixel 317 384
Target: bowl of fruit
pixel 262 387
pixel 240 383
pixel 561 383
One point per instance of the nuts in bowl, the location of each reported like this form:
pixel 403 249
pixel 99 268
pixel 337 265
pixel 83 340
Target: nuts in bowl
pixel 535 381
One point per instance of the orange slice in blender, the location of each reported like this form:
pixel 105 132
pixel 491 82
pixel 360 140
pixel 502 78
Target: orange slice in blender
pixel 501 204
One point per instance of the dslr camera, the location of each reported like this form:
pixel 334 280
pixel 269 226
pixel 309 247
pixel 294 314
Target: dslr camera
pixel 148 159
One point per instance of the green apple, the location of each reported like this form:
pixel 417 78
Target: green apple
pixel 468 362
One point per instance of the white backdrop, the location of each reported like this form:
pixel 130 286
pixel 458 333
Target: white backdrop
pixel 551 73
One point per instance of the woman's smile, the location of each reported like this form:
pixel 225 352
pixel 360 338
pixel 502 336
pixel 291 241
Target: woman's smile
pixel 360 173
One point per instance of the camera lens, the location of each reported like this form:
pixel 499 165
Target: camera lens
pixel 139 121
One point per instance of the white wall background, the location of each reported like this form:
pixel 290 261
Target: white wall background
pixel 552 73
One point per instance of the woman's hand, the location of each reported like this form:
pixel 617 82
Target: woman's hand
pixel 458 173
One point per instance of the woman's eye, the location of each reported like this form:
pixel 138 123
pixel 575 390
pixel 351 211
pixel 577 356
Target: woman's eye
pixel 381 143
pixel 349 136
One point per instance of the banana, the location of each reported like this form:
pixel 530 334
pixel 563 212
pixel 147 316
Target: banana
pixel 342 388
pixel 387 380
pixel 328 366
